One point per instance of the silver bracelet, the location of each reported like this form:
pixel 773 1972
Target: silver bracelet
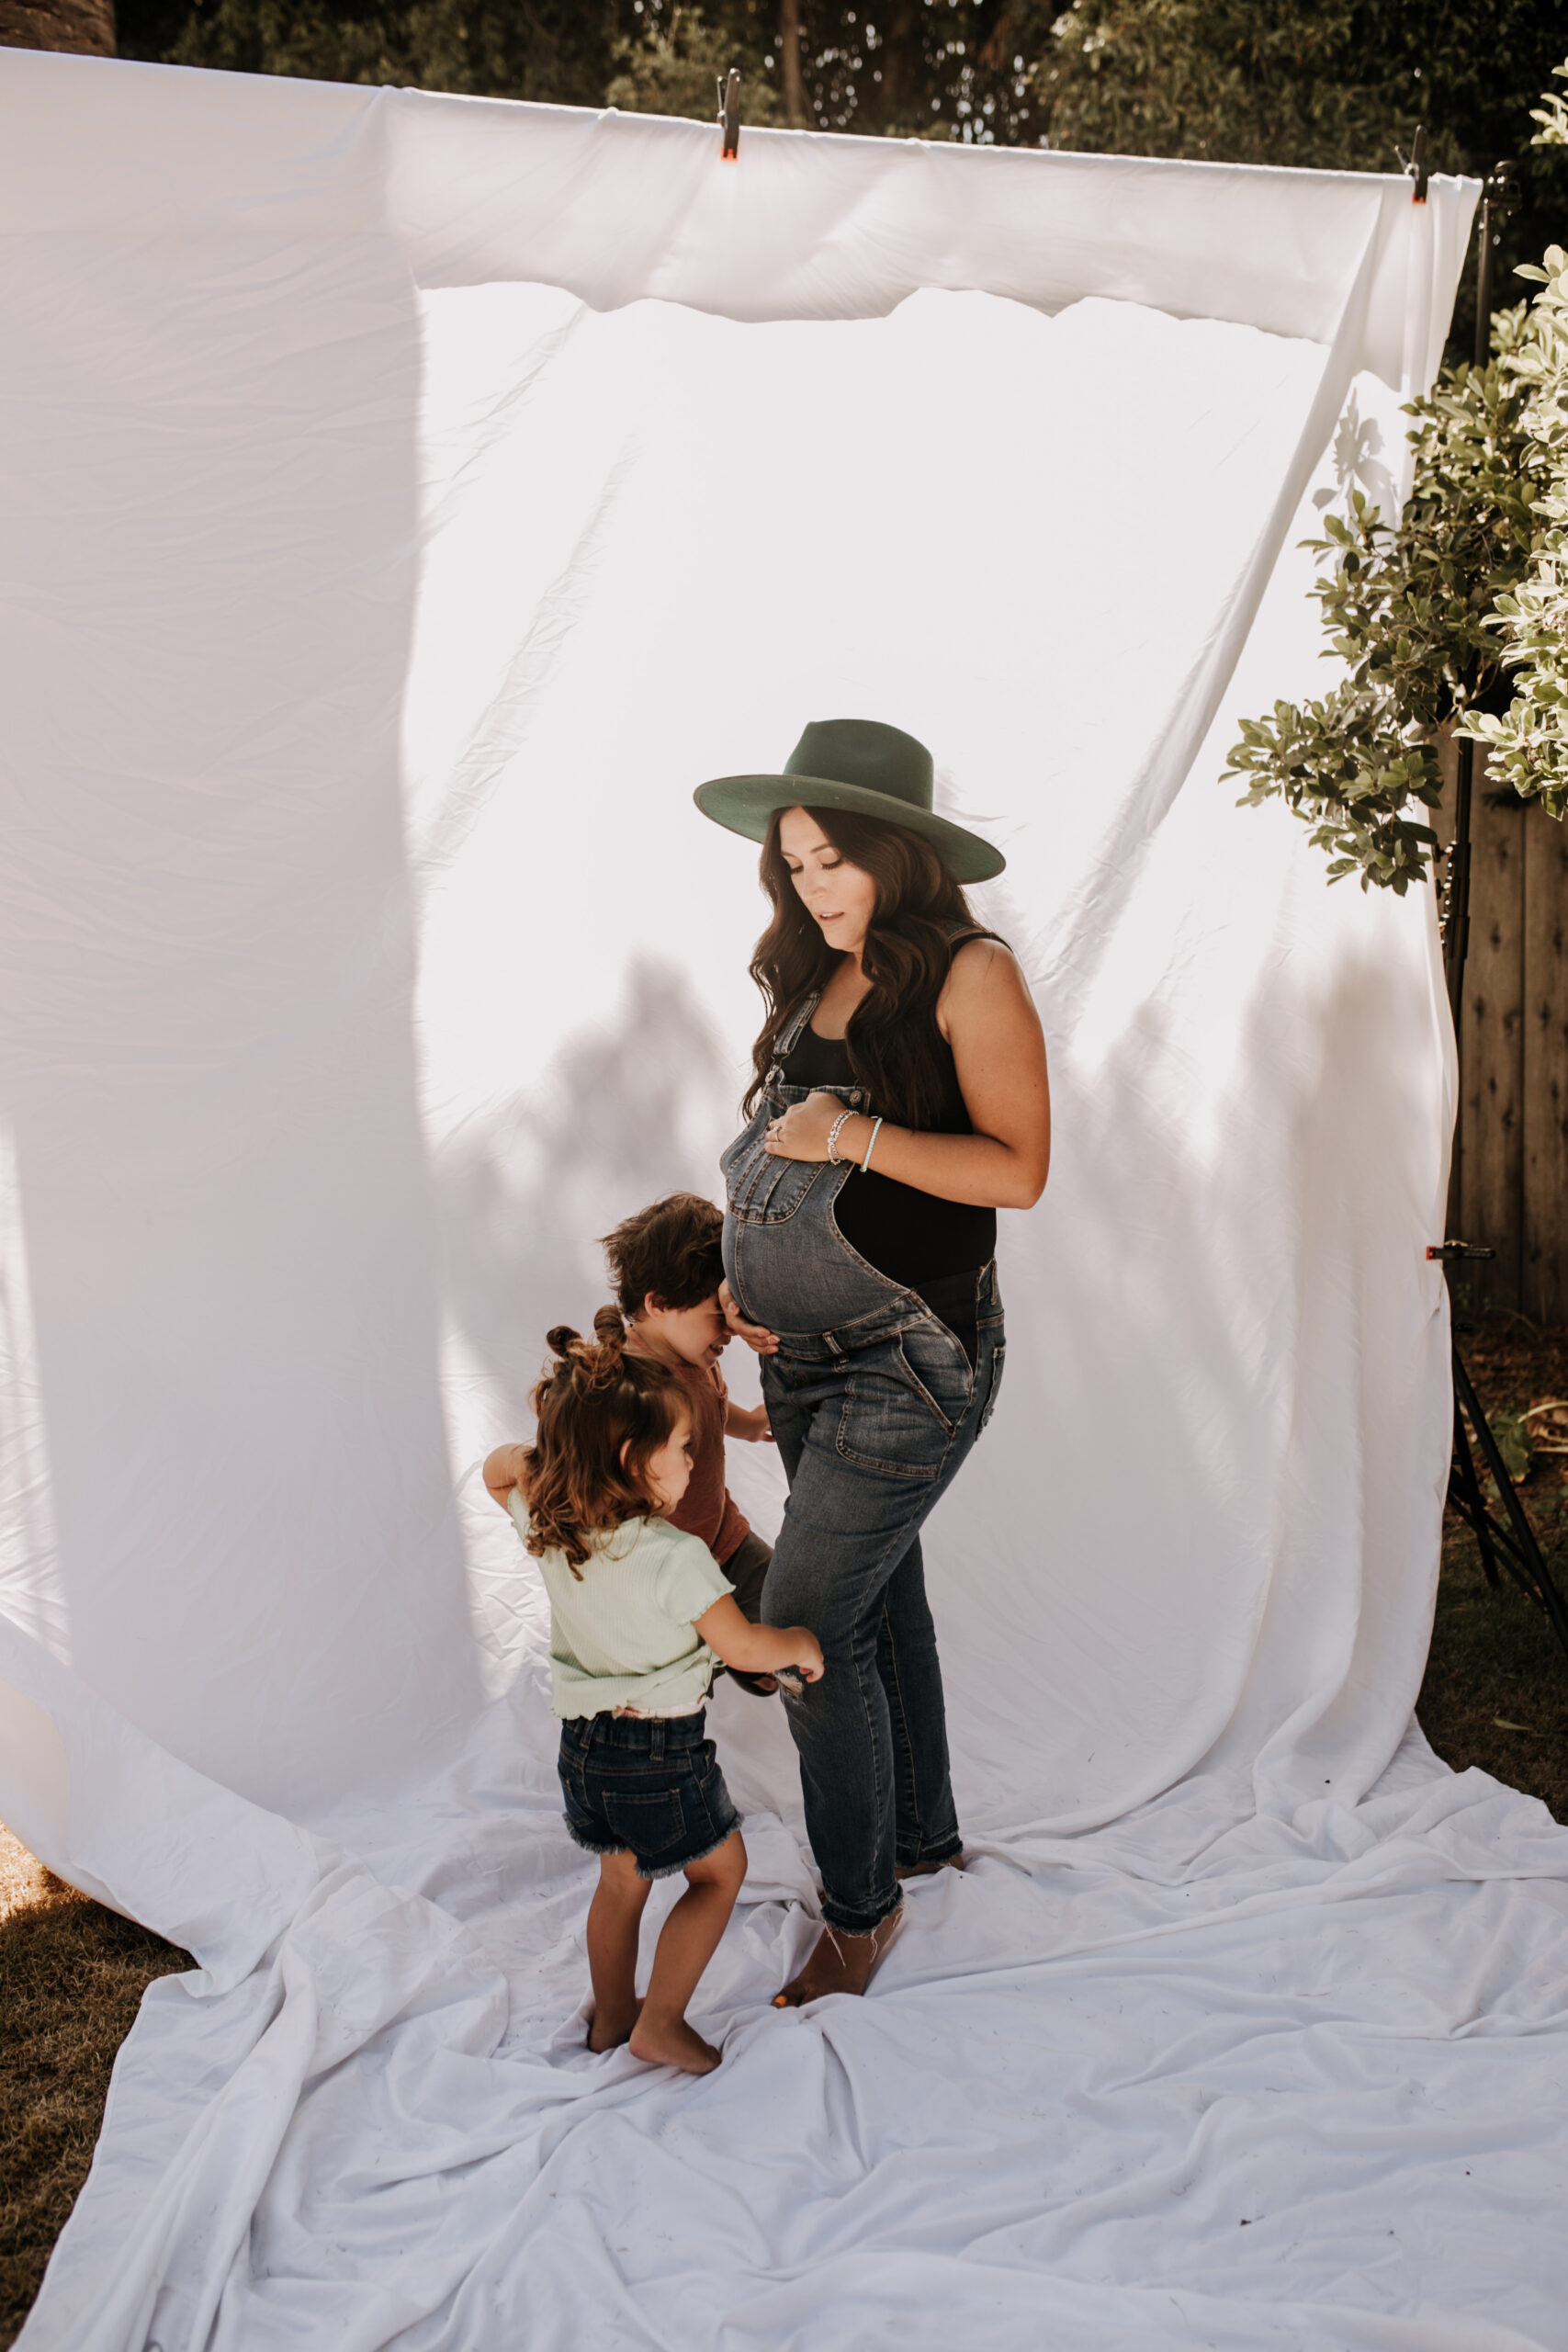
pixel 834 1132
pixel 870 1146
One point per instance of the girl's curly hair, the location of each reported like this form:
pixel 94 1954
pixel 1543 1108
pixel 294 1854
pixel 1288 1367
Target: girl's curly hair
pixel 595 1400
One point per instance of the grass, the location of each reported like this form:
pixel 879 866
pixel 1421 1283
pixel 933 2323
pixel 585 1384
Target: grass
pixel 1495 1694
pixel 70 1976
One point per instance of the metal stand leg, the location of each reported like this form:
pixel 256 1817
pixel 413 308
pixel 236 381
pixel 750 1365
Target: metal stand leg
pixel 1512 1546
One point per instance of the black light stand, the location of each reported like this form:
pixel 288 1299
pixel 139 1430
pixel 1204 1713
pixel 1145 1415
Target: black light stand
pixel 1506 1539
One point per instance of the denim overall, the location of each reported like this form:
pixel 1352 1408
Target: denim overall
pixel 873 1405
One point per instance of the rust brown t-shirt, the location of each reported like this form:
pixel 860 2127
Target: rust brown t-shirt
pixel 707 1510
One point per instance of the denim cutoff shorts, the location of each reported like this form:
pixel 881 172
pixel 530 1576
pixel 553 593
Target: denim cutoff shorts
pixel 650 1790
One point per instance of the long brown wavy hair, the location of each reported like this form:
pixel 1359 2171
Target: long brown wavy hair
pixel 595 1400
pixel 892 1033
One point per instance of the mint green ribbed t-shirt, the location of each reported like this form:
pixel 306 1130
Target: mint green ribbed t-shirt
pixel 625 1635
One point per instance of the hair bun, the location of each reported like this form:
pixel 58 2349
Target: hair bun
pixel 598 1361
pixel 609 1327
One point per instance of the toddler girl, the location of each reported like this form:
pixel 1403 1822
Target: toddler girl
pixel 639 1613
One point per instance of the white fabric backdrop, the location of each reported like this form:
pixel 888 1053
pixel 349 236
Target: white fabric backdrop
pixel 412 499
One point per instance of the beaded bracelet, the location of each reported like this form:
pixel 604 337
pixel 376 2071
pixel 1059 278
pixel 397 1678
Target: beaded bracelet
pixel 834 1132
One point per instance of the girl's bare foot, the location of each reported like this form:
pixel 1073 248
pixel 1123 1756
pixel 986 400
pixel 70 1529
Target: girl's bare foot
pixel 669 2041
pixel 840 1963
pixel 608 2031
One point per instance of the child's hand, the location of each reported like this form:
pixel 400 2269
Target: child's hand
pixel 751 1426
pixel 757 1336
pixel 759 1649
pixel 503 1471
pixel 808 1653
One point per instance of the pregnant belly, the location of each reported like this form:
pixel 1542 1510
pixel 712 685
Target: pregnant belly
pixel 796 1275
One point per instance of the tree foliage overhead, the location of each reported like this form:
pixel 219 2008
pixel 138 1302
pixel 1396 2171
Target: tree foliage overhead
pixel 1339 85
pixel 674 62
pixel 1336 86
pixel 1457 615
pixel 556 51
pixel 1222 79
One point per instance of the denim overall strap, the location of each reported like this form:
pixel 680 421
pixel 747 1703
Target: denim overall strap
pixel 791 1035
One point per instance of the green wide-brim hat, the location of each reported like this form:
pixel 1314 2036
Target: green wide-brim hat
pixel 855 763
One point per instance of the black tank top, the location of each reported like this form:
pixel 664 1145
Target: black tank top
pixel 909 1236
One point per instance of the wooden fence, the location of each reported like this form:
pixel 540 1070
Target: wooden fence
pixel 1510 1174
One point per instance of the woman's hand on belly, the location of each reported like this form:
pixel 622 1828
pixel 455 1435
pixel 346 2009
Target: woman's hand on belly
pixel 757 1336
pixel 802 1131
pixel 999 1052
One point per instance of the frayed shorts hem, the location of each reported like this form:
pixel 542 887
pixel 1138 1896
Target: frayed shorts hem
pixel 651 1870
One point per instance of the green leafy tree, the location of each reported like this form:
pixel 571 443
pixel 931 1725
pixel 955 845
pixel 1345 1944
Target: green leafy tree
pixel 1249 81
pixel 1529 740
pixel 904 68
pixel 1223 80
pixel 901 67
pixel 557 50
pixel 1553 115
pixel 891 69
pixel 674 63
pixel 1457 615
pixel 1409 609
pixel 1335 86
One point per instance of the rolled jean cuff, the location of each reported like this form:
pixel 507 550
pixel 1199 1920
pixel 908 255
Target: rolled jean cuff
pixel 845 1922
pixel 941 1849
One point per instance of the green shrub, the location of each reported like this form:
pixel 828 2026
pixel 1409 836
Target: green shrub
pixel 1455 617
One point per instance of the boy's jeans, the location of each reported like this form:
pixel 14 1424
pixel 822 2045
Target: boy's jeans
pixel 870 1442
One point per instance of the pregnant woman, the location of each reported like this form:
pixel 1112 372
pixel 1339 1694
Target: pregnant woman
pixel 899 1100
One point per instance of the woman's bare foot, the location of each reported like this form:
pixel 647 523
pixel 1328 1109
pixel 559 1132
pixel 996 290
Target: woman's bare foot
pixel 669 2041
pixel 840 1964
pixel 608 2030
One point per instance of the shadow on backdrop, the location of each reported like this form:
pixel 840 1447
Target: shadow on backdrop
pixel 1218 1296
pixel 627 1112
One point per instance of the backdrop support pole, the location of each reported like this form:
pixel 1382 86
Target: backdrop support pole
pixel 1506 1542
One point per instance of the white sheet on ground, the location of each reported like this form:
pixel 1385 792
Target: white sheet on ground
pixel 414 500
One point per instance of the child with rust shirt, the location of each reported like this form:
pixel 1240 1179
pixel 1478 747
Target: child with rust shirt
pixel 667 1264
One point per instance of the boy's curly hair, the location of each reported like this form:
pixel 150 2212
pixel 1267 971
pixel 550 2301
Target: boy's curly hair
pixel 595 1401
pixel 672 1249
